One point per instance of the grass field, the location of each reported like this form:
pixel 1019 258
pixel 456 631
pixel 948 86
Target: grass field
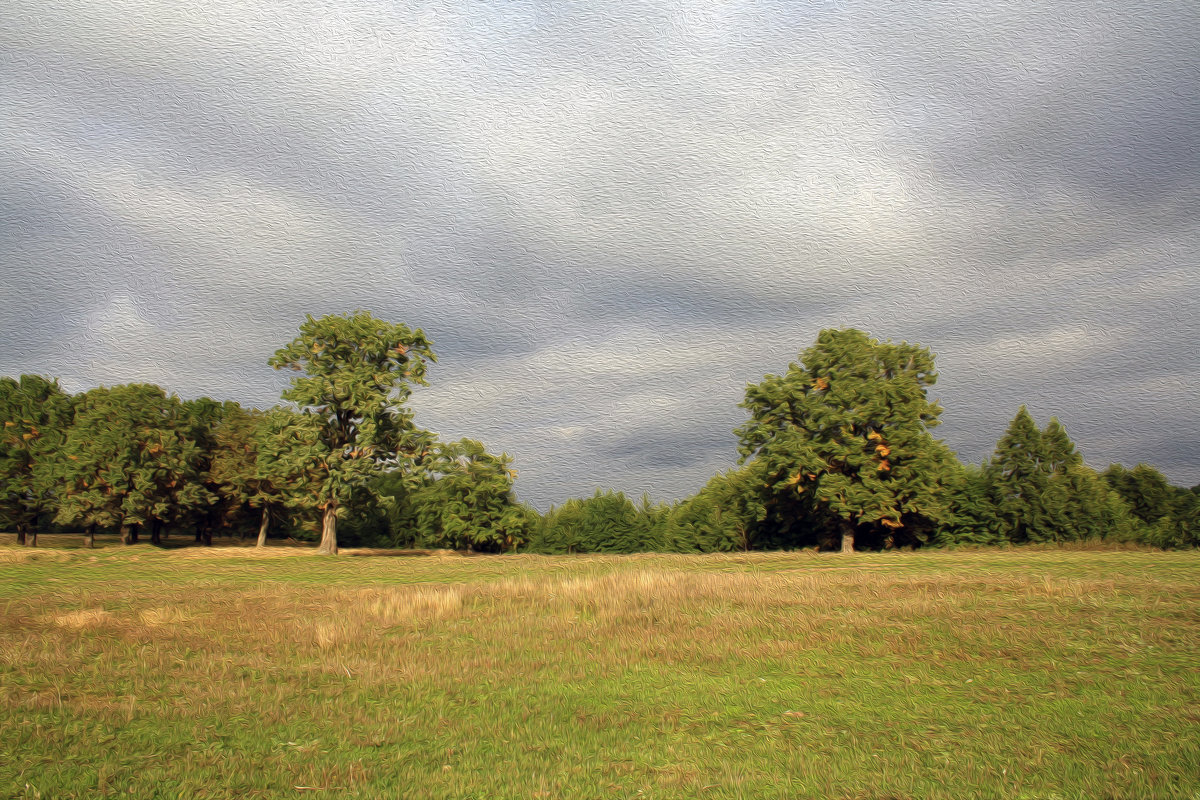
pixel 137 672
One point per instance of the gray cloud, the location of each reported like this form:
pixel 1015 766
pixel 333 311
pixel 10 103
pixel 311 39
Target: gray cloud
pixel 610 220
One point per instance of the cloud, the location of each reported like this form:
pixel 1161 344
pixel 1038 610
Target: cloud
pixel 609 220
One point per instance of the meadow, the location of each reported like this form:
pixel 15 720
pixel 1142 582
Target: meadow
pixel 235 673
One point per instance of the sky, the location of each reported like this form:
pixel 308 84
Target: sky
pixel 611 217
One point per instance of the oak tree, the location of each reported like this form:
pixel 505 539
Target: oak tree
pixel 357 374
pixel 848 428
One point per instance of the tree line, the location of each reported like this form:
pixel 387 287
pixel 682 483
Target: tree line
pixel 837 453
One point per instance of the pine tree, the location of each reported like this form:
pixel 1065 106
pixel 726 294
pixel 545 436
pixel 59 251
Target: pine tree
pixel 1058 449
pixel 1018 479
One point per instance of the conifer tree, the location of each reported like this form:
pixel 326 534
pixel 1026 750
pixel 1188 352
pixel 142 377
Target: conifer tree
pixel 1058 449
pixel 1018 479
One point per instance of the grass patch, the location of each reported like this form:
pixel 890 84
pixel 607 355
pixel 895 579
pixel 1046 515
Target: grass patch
pixel 231 673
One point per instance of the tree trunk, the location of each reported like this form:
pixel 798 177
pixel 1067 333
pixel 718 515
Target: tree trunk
pixel 262 529
pixel 848 536
pixel 20 533
pixel 33 537
pixel 135 531
pixel 90 536
pixel 126 536
pixel 329 531
pixel 156 532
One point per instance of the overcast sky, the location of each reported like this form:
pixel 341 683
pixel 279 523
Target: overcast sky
pixel 609 217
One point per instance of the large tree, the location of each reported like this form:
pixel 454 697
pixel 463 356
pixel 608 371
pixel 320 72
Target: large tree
pixel 35 415
pixel 128 461
pixel 358 373
pixel 849 430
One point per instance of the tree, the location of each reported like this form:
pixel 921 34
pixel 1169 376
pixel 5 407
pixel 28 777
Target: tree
pixel 1058 451
pixel 467 501
pixel 849 430
pixel 203 418
pixel 1018 475
pixel 1169 515
pixel 241 478
pixel 358 373
pixel 723 516
pixel 128 461
pixel 606 522
pixel 973 514
pixel 1147 491
pixel 34 417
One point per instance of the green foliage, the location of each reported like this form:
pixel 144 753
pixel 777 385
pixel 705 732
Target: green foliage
pixel 205 419
pixel 1170 515
pixel 466 501
pixel 837 449
pixel 1018 475
pixel 128 459
pixel 1043 492
pixel 723 516
pixel 236 472
pixel 289 457
pixel 34 417
pixel 849 430
pixel 606 522
pixel 357 374
pixel 973 519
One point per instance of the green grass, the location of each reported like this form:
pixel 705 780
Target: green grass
pixel 229 673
